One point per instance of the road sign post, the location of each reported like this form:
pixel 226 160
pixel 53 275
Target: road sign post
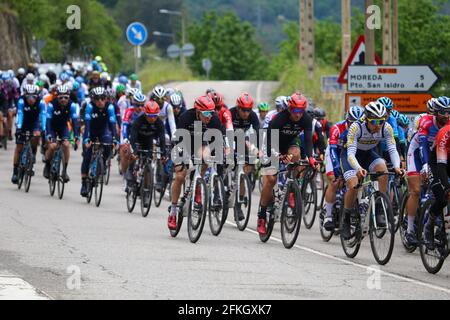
pixel 207 66
pixel 137 35
pixel 391 78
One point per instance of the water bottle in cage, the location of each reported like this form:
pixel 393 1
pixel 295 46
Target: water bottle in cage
pixel 363 208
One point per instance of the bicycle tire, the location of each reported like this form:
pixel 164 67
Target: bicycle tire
pixel 98 185
pixel 146 191
pixel 131 199
pixel 270 224
pixel 424 252
pixel 216 213
pixel 108 171
pixel 396 206
pixel 326 235
pixel 296 219
pixel 195 228
pixel 310 203
pixel 158 195
pixel 404 225
pixel 375 234
pixel 180 217
pixel 351 246
pixel 247 200
pixel 60 181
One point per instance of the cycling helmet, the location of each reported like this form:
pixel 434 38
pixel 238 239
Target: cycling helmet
pixel 281 102
pixel 403 120
pixel 120 88
pixel 104 76
pixel 208 91
pixel 21 71
pixel 431 105
pixel 5 76
pixel 395 114
pixel 245 101
pixel 66 67
pixel 319 113
pixel 98 92
pixel 134 77
pixel 98 58
pixel 64 90
pixel 442 103
pixel 297 102
pixel 175 100
pixel 216 97
pixel 79 79
pixel 31 89
pixel 132 91
pixel 170 91
pixel 64 77
pixel 75 86
pixel 159 92
pixel 263 106
pixel 40 84
pixel 152 108
pixel 30 77
pixel 355 113
pixel 310 111
pixel 375 110
pixel 387 103
pixel 204 103
pixel 139 98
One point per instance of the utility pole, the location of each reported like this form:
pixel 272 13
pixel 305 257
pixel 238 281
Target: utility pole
pixel 387 32
pixel 346 16
pixel 369 33
pixel 310 37
pixel 183 35
pixel 395 48
pixel 302 26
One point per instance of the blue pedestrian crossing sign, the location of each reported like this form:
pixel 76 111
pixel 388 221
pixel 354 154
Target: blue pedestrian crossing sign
pixel 137 34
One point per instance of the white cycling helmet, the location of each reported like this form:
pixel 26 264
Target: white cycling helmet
pixel 375 110
pixel 138 97
pixel 21 71
pixel 175 100
pixel 281 102
pixel 159 92
pixel 431 105
pixel 30 89
pixel 30 77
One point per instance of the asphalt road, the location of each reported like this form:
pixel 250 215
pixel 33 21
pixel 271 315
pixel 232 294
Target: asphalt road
pixel 49 242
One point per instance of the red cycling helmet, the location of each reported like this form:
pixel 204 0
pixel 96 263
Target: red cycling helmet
pixel 216 97
pixel 245 101
pixel 152 108
pixel 297 101
pixel 204 103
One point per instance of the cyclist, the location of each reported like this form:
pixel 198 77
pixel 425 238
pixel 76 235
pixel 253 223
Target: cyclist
pixel 336 143
pixel 134 82
pixel 9 93
pixel 100 123
pixel 360 155
pixel 263 109
pixel 131 114
pixel 321 116
pixel 59 112
pixel 418 158
pixel 222 110
pixel 245 118
pixel 203 111
pixel 440 185
pixel 21 74
pixel 174 111
pixel 403 123
pixel 30 117
pixel 146 128
pixel 290 123
pixel 430 110
pixel 281 104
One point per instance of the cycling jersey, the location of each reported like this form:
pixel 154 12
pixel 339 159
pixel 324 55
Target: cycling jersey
pixel 289 131
pixel 124 104
pixel 336 142
pixel 269 117
pixel 167 124
pixel 359 138
pixel 225 117
pixel 31 118
pixel 261 121
pixel 318 139
pixel 99 122
pixel 143 133
pixel 130 116
pixel 58 117
pixel 326 127
pixel 440 156
pixel 244 124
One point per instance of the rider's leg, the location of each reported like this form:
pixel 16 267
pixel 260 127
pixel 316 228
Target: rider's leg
pixel 2 127
pixel 87 154
pixel 380 166
pixel 330 195
pixel 11 114
pixel 413 199
pixel 180 176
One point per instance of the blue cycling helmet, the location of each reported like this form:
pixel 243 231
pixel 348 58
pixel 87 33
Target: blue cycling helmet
pixel 123 80
pixel 139 98
pixel 355 113
pixel 75 85
pixel 387 102
pixel 64 77
pixel 442 103
pixel 395 114
pixel 79 79
pixel 5 76
pixel 403 120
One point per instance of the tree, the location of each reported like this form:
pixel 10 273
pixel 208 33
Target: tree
pixel 231 46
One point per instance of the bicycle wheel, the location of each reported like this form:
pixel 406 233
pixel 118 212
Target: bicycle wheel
pixel 396 205
pixel 131 198
pixel 270 222
pixel 432 260
pixel 403 225
pixel 98 184
pixel 158 177
pixel 245 202
pixel 28 170
pixel 146 191
pixel 326 235
pixel 60 180
pixel 351 246
pixel 309 196
pixel 381 238
pixel 180 217
pixel 108 171
pixel 216 206
pixel 291 216
pixel 197 211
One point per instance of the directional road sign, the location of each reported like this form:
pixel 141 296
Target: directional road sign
pixel 173 51
pixel 137 34
pixel 391 78
pixel 188 50
pixel 404 102
pixel 207 64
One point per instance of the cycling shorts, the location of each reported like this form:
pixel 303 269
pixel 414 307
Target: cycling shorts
pixel 366 159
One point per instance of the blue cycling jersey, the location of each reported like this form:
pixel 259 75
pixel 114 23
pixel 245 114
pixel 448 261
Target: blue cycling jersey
pixel 27 115
pixel 58 116
pixel 98 121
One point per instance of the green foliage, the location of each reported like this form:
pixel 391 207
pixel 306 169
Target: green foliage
pixel 231 46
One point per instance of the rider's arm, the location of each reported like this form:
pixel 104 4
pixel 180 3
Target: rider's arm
pixel 424 125
pixel 333 142
pixel 49 117
pixel 442 147
pixel 112 120
pixel 134 132
pixel 74 118
pixel 171 119
pixel 126 124
pixel 19 121
pixel 391 145
pixel 321 140
pixel 162 137
pixel 308 129
pixel 354 132
pixel 87 122
pixel 43 115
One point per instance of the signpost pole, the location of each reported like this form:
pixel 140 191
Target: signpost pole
pixel 369 36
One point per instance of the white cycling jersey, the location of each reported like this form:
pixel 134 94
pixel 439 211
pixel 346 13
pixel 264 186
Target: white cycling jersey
pixel 269 118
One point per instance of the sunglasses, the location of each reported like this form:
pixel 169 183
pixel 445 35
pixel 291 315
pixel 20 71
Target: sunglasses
pixel 207 114
pixel 63 98
pixel 445 113
pixel 151 115
pixel 376 122
pixel 245 110
pixel 138 105
pixel 298 111
pixel 100 98
pixel 31 96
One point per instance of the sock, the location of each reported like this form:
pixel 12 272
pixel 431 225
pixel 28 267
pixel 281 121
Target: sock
pixel 262 214
pixel 329 209
pixel 173 209
pixel 411 224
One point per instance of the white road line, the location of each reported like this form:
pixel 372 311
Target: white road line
pixel 361 266
pixel 13 288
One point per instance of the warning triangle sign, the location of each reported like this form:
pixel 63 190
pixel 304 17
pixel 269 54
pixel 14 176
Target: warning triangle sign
pixel 356 58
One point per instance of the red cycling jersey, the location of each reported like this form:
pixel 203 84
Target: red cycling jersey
pixel 443 144
pixel 335 133
pixel 225 118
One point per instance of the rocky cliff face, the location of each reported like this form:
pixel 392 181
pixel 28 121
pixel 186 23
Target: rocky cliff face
pixel 14 51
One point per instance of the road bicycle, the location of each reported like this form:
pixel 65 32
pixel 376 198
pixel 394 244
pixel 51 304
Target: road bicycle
pixel 162 179
pixel 56 170
pixel 96 175
pixel 336 213
pixel 26 162
pixel 308 186
pixel 218 206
